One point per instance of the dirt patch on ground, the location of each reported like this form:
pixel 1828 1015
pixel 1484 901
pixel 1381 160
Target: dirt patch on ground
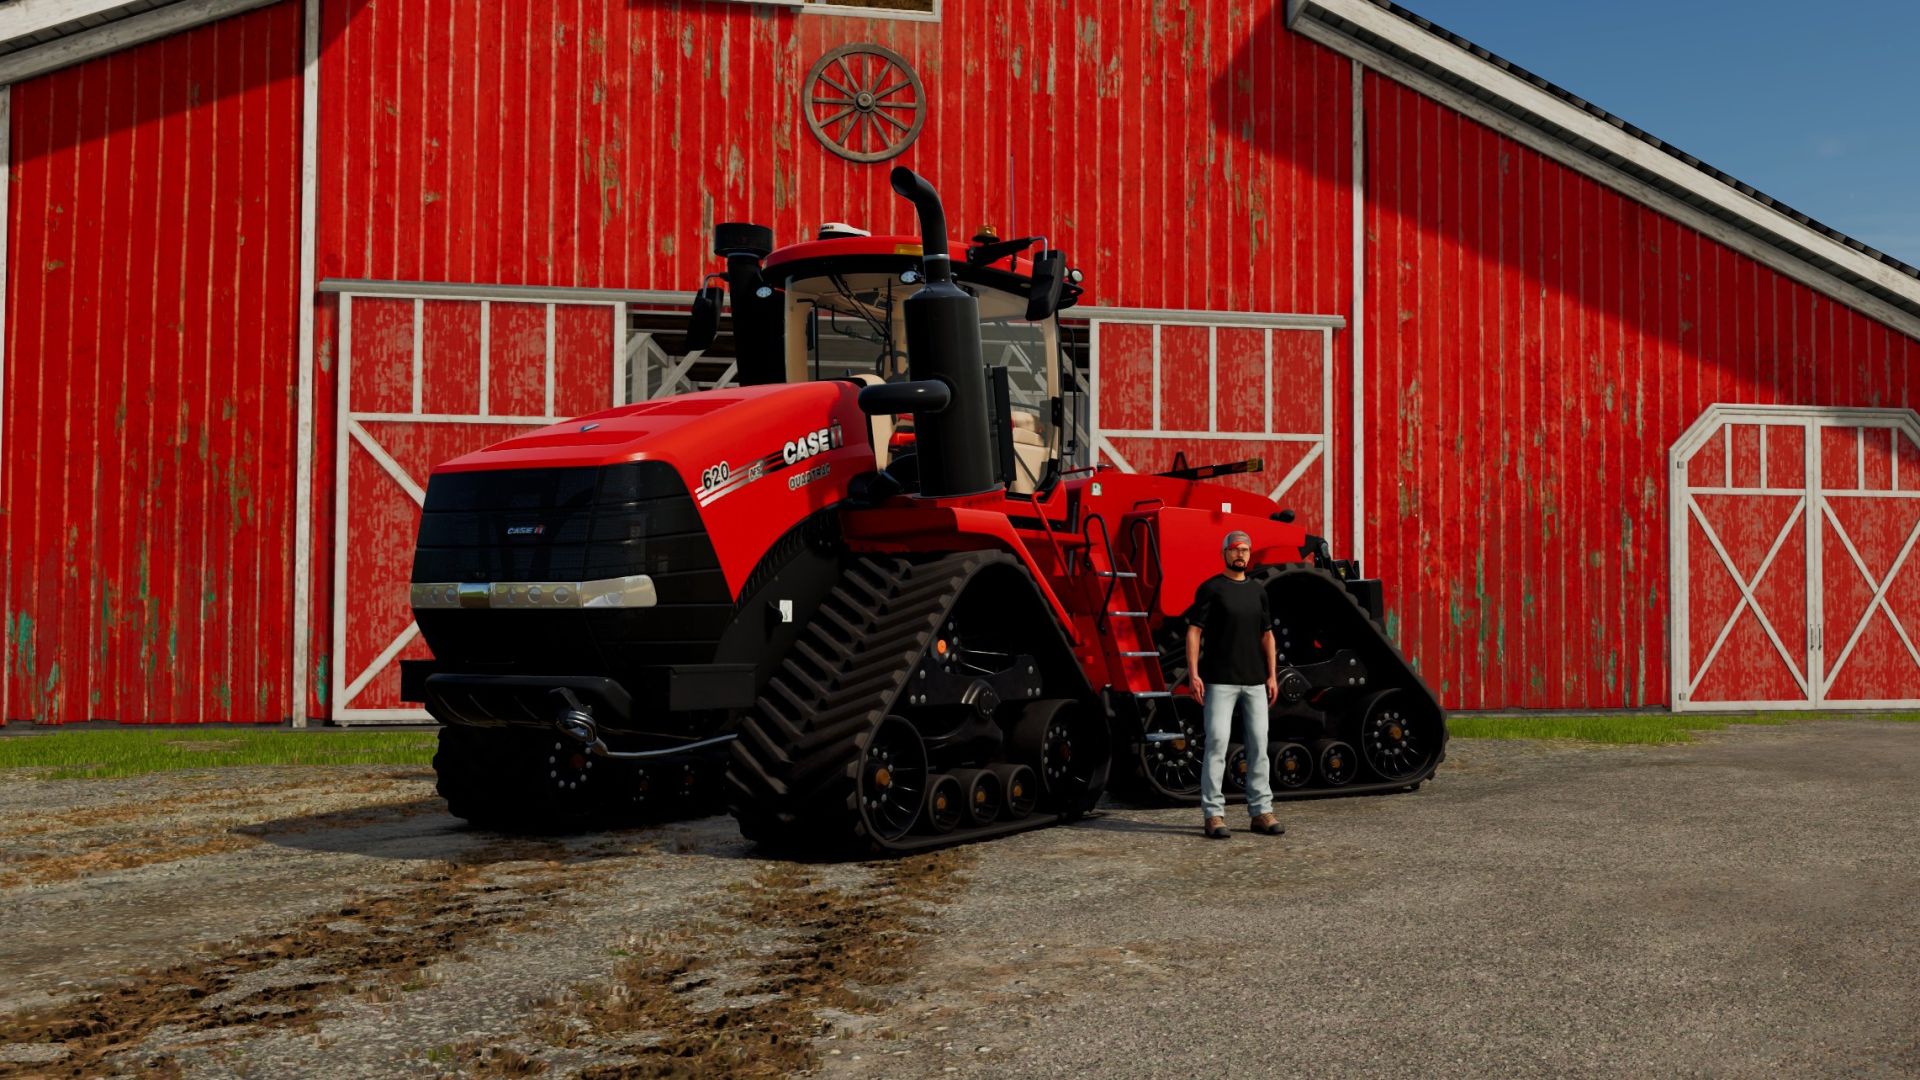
pixel 1739 906
pixel 283 979
pixel 718 1000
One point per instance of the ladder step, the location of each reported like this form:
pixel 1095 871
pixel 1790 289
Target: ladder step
pixel 1163 736
pixel 1139 654
pixel 1114 573
pixel 1152 693
pixel 1129 614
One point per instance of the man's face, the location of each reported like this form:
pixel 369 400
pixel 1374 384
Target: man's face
pixel 1238 556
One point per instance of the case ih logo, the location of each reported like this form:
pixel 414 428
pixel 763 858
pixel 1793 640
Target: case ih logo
pixel 722 479
pixel 813 442
pixel 525 530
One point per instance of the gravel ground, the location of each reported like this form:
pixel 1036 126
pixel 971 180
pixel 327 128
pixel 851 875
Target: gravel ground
pixel 1743 905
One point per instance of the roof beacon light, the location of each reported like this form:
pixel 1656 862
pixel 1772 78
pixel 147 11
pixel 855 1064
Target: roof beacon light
pixel 840 230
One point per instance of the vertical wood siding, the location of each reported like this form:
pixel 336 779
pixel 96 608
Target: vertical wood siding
pixel 1535 343
pixel 150 348
pixel 1186 155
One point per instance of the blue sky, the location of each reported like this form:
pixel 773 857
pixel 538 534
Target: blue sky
pixel 1818 105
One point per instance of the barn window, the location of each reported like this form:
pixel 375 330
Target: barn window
pixel 917 10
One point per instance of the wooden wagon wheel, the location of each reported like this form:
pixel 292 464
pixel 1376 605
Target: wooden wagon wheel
pixel 865 103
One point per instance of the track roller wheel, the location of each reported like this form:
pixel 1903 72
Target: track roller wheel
pixel 1292 766
pixel 892 782
pixel 983 794
pixel 946 804
pixel 1066 749
pixel 1172 761
pixel 1338 762
pixel 1022 790
pixel 1236 778
pixel 1390 738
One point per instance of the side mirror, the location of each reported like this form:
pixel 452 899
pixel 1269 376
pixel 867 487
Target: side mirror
pixel 1049 276
pixel 1284 516
pixel 704 324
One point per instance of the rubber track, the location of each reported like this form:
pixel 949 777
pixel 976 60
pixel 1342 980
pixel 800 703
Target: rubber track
pixel 1359 632
pixel 791 780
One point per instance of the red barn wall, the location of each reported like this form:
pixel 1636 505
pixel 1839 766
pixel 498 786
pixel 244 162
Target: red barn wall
pixel 1197 158
pixel 1535 342
pixel 152 307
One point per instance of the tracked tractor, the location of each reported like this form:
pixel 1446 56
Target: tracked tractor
pixel 862 599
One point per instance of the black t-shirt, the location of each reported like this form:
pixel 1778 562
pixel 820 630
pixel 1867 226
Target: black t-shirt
pixel 1232 617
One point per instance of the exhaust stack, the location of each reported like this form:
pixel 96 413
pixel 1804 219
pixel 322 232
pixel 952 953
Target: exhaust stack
pixel 955 443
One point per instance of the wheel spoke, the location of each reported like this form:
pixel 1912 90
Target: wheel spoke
pixel 888 119
pixel 837 85
pixel 814 99
pixel 835 117
pixel 894 89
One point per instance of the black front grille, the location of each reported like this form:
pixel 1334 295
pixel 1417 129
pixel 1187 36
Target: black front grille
pixel 574 524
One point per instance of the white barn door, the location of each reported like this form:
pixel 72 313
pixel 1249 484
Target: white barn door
pixel 1795 582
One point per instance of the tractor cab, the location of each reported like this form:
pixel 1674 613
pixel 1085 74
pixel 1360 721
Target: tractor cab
pixel 832 308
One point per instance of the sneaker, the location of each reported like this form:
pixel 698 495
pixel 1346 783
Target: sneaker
pixel 1216 828
pixel 1268 825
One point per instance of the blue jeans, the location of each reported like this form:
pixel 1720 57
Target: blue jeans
pixel 1222 702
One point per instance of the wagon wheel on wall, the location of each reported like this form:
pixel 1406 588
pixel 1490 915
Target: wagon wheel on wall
pixel 865 103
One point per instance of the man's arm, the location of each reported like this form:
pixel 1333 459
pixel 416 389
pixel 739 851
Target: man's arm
pixel 1273 682
pixel 1193 661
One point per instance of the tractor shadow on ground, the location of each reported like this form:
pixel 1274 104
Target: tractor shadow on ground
pixel 421 829
pixel 1111 818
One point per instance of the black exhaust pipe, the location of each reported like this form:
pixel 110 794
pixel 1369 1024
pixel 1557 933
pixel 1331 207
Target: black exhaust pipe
pixel 955 443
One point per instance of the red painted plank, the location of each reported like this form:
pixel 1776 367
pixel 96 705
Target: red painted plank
pixel 1241 372
pixel 1840 458
pixel 517 360
pixel 449 356
pixel 1126 373
pixel 1786 455
pixel 383 339
pixel 583 359
pixel 1184 368
pixel 149 332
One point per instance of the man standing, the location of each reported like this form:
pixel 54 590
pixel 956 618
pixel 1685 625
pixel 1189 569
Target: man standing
pixel 1230 656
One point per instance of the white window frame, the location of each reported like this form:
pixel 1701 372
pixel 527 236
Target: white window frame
pixel 820 7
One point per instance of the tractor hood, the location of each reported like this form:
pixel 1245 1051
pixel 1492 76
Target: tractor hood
pixel 757 460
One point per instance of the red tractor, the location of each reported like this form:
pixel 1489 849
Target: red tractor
pixel 862 597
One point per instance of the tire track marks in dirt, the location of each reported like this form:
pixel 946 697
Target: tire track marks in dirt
pixel 743 995
pixel 284 979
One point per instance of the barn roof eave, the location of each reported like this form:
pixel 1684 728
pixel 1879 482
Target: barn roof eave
pixel 1414 51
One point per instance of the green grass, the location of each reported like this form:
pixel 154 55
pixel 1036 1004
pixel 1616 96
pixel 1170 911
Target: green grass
pixel 133 751
pixel 1642 728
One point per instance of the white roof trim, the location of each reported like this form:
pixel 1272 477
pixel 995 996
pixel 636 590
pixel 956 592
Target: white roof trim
pixel 85 44
pixel 1307 17
pixel 23 18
